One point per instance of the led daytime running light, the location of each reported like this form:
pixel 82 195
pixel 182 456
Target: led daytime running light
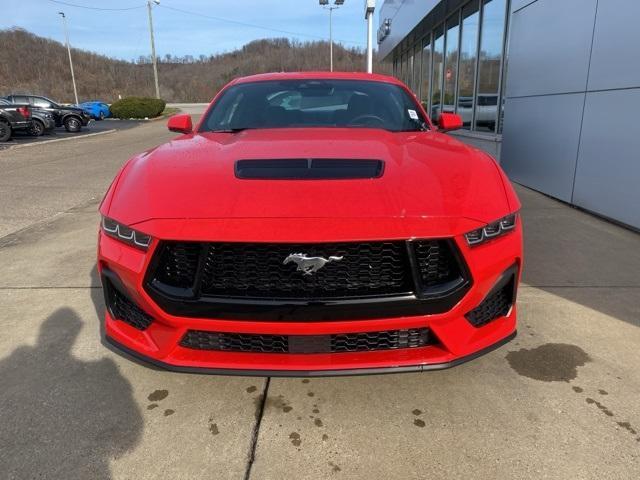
pixel 125 234
pixel 492 230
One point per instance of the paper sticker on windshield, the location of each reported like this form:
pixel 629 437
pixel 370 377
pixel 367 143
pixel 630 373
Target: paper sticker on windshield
pixel 413 114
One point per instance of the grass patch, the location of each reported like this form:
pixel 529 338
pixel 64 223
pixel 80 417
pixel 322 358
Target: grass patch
pixel 168 111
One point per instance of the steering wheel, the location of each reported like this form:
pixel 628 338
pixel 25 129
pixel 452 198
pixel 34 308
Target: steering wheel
pixel 366 119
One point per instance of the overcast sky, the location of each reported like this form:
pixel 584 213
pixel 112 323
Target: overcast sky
pixel 125 33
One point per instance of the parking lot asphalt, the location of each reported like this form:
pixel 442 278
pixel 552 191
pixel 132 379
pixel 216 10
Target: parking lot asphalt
pixel 22 138
pixel 558 402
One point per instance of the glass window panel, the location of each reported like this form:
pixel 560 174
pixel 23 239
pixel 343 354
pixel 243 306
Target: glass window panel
pixel 426 73
pixel 468 54
pixel 438 64
pixel 417 68
pixel 451 64
pixel 491 43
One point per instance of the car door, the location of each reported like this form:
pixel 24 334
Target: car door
pixel 46 104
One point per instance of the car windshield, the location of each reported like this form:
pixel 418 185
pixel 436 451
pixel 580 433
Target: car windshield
pixel 314 103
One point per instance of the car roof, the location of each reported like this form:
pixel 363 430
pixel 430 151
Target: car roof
pixel 264 77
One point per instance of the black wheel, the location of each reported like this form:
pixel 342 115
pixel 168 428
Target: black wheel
pixel 101 116
pixel 5 131
pixel 37 128
pixel 72 124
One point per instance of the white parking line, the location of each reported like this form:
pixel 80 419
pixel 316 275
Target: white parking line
pixel 22 145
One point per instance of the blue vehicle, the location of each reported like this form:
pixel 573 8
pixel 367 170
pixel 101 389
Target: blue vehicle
pixel 97 110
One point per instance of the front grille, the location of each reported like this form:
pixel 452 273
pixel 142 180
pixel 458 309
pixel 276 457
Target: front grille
pixel 258 271
pixel 497 304
pixel 436 263
pixel 356 279
pixel 178 264
pixel 338 343
pixel 124 309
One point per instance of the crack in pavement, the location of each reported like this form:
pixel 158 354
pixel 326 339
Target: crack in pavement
pixel 256 429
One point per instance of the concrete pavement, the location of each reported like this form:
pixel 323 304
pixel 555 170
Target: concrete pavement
pixel 560 401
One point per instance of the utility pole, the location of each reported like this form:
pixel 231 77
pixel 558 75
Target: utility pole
pixel 369 7
pixel 153 47
pixel 66 36
pixel 336 4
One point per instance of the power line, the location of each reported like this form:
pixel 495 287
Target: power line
pixel 95 8
pixel 210 17
pixel 252 25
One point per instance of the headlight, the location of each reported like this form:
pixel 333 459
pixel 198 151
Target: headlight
pixel 125 234
pixel 492 230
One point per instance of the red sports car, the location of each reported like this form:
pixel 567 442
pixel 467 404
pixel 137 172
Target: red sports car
pixel 310 224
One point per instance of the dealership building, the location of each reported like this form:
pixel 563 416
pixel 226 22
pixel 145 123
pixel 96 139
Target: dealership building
pixel 550 87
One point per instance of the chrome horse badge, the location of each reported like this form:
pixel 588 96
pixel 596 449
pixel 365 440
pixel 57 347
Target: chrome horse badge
pixel 309 265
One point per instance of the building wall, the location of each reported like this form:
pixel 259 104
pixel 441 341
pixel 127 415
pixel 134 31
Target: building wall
pixel 404 16
pixel 571 125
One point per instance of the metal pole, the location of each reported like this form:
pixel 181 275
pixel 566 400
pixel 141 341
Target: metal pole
pixel 369 42
pixel 66 36
pixel 331 37
pixel 153 50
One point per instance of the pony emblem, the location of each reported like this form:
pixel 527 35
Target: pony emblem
pixel 309 265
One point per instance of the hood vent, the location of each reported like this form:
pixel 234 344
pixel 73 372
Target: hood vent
pixel 309 169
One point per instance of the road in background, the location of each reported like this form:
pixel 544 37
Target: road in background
pixel 558 402
pixel 22 138
pixel 190 108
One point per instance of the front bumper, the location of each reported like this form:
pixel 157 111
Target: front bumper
pixel 458 340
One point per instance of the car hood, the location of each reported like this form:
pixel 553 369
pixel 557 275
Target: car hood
pixel 426 174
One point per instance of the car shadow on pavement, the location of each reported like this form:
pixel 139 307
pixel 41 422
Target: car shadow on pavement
pixel 62 417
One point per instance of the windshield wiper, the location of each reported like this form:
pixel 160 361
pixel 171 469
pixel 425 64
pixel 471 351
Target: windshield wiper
pixel 231 130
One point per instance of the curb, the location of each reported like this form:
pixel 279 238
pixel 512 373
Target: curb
pixel 55 140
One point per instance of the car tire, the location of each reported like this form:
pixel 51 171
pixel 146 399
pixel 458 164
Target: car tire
pixel 101 116
pixel 37 128
pixel 72 124
pixel 5 131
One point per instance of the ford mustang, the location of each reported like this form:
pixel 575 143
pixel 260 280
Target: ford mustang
pixel 310 224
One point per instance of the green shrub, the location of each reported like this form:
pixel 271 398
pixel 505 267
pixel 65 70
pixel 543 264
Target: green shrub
pixel 137 107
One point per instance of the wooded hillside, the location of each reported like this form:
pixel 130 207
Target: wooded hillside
pixel 32 64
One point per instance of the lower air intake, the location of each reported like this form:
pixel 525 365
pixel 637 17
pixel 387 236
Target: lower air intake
pixel 124 309
pixel 497 304
pixel 338 343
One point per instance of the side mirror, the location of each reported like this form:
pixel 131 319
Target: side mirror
pixel 449 121
pixel 180 123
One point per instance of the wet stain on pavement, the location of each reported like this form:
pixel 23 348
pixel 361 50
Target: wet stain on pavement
pixel 551 362
pixel 605 410
pixel 627 426
pixel 317 422
pixel 417 412
pixel 419 423
pixel 600 406
pixel 306 380
pixel 213 427
pixel 325 437
pixel 151 406
pixel 295 439
pixel 279 403
pixel 315 410
pixel 158 395
pixel 310 394
pixel 251 389
pixel 168 412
